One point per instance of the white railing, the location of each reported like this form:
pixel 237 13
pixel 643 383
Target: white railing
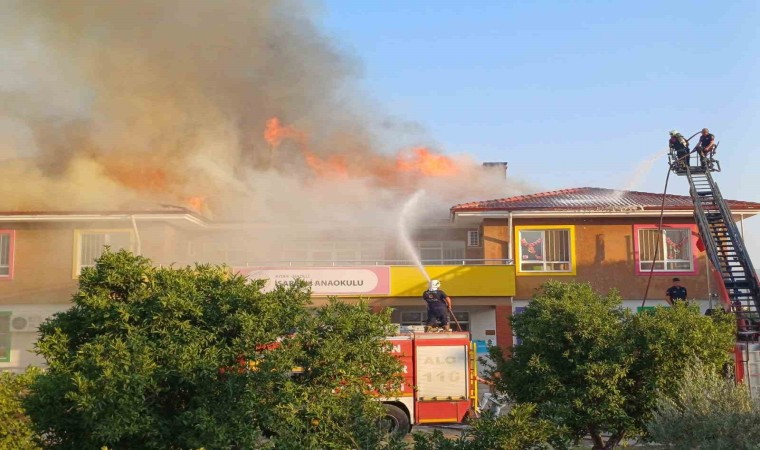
pixel 373 262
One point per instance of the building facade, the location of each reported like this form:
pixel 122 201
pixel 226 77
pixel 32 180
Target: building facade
pixel 490 256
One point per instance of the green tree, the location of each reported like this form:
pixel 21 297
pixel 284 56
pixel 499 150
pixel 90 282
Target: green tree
pixel 594 368
pixel 520 429
pixel 708 412
pixel 16 432
pixel 155 357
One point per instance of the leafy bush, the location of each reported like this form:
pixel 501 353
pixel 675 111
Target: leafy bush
pixel 594 368
pixel 164 358
pixel 16 432
pixel 707 412
pixel 520 429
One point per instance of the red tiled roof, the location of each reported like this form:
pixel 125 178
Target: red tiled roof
pixel 592 199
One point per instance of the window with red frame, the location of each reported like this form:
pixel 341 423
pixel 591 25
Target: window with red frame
pixel 6 254
pixel 672 247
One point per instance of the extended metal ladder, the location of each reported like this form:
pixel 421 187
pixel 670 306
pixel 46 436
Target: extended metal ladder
pixel 723 242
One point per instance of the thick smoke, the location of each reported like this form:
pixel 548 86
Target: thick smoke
pixel 120 104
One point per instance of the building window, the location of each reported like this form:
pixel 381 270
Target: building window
pixel 5 336
pixel 420 318
pixel 7 238
pixel 670 250
pixel 90 244
pixel 473 238
pixel 546 249
pixel 441 252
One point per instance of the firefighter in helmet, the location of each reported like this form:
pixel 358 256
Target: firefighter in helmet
pixel 680 146
pixel 438 307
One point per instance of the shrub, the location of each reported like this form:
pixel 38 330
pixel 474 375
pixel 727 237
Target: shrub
pixel 520 429
pixel 707 412
pixel 164 358
pixel 16 432
pixel 594 368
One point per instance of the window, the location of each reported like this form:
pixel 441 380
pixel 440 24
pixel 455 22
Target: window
pixel 6 253
pixel 546 249
pixel 5 336
pixel 670 249
pixel 420 318
pixel 473 238
pixel 90 245
pixel 441 252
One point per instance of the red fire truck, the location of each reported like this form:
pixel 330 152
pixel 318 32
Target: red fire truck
pixel 440 379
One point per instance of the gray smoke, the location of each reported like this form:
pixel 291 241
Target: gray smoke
pixel 119 104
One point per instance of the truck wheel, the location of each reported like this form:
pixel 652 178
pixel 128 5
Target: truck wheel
pixel 395 420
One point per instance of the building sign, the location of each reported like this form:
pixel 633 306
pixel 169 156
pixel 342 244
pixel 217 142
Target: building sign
pixel 327 280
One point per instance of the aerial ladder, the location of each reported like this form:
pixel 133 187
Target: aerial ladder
pixel 737 280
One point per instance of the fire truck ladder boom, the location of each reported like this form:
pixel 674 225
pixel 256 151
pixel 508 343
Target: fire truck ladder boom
pixel 723 242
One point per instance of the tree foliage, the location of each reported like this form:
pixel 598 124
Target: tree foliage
pixel 520 429
pixel 593 367
pixel 16 432
pixel 707 412
pixel 155 357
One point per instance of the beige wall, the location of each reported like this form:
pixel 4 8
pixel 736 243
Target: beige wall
pixel 44 258
pixel 43 255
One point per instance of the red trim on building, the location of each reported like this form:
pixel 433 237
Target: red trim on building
pixel 692 244
pixel 504 328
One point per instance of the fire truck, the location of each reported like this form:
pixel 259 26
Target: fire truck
pixel 440 379
pixel 439 372
pixel 731 267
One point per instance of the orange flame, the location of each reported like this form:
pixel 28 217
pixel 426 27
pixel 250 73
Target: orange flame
pixel 422 161
pixel 334 166
pixel 275 133
pixel 137 177
pixel 197 203
pixel 418 160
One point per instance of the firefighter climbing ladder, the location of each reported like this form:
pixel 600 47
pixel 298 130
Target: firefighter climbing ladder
pixel 723 242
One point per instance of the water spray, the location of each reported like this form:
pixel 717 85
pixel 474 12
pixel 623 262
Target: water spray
pixel 403 228
pixel 643 168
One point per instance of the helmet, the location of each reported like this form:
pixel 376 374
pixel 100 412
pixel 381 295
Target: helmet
pixel 705 130
pixel 435 285
pixel 673 132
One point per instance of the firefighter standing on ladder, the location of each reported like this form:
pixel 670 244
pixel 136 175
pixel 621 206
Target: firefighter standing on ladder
pixel 439 305
pixel 680 146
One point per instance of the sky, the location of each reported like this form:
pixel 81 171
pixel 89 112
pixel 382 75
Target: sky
pixel 569 93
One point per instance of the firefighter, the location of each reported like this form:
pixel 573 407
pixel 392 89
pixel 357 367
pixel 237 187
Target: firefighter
pixel 439 305
pixel 680 146
pixel 676 292
pixel 706 147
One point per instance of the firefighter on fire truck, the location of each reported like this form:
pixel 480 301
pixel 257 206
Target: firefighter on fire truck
pixel 438 307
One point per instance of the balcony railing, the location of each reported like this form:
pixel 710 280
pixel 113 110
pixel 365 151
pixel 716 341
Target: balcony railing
pixel 373 262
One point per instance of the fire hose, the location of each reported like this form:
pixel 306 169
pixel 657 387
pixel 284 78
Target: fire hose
pixel 675 163
pixel 459 327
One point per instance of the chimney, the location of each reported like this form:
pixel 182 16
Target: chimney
pixel 499 167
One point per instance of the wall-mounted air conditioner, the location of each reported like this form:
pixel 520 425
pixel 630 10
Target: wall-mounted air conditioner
pixel 26 322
